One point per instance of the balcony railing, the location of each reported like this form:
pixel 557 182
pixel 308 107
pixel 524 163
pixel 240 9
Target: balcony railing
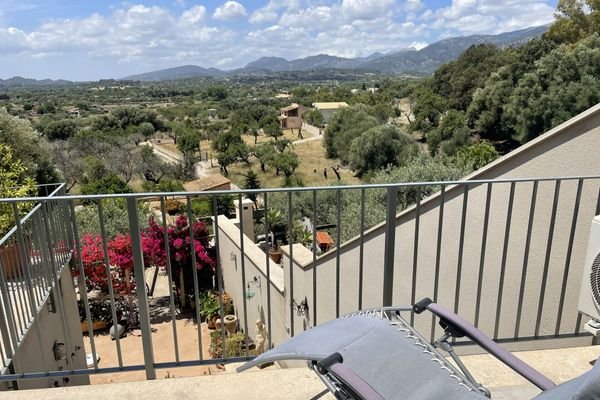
pixel 506 254
pixel 32 253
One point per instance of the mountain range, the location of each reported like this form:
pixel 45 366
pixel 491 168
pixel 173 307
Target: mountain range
pixel 405 61
pixel 18 81
pixel 423 61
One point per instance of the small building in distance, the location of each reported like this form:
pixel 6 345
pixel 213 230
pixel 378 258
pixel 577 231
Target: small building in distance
pixel 213 182
pixel 329 108
pixel 282 95
pixel 73 112
pixel 291 116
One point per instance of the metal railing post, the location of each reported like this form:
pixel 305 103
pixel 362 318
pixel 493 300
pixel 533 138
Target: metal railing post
pixel 140 286
pixel 390 241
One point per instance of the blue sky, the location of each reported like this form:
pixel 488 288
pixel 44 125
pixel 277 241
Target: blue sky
pixel 89 40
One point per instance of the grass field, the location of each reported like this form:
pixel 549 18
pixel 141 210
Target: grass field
pixel 312 162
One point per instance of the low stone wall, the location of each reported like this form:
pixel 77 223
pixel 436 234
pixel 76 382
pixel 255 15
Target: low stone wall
pixel 311 129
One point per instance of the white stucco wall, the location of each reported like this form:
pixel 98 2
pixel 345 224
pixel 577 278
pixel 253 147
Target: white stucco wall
pixel 31 357
pixel 255 265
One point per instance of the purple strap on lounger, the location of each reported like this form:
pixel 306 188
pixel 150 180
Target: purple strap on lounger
pixel 497 351
pixel 355 382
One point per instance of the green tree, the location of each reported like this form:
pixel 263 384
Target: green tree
pixel 165 185
pixel 14 182
pixel 264 154
pixel 109 184
pixel 457 80
pixel 575 20
pixel 18 134
pixel 345 126
pixel 486 113
pixel 564 83
pixel 451 134
pixel 216 92
pixel 146 129
pixel 427 109
pixel 476 155
pixel 151 167
pixel 273 129
pixel 188 142
pixel 252 182
pixel 58 130
pixel 381 147
pixel 47 107
pixel 314 117
pixel 116 218
pixel 285 162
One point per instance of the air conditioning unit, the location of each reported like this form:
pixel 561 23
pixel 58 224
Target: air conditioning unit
pixel 589 297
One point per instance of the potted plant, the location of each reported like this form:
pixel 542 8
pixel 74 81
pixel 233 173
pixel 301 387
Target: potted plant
pixel 209 308
pixel 100 314
pixel 234 346
pixel 230 322
pixel 15 183
pixel 275 252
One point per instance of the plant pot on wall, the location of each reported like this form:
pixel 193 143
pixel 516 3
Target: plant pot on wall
pixel 275 254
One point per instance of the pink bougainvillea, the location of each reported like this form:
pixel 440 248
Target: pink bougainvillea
pixel 180 249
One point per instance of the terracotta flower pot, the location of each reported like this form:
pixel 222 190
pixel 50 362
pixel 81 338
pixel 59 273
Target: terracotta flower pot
pixel 11 260
pixel 96 326
pixel 275 255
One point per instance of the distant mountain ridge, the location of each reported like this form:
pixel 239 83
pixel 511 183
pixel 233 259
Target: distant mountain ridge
pixel 429 58
pixel 183 72
pixel 17 81
pixel 408 61
pixel 320 61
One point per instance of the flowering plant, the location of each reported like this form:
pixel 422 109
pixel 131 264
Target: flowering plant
pixel 120 255
pixel 180 244
pixel 120 259
pixel 181 248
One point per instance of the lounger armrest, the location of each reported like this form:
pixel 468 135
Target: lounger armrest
pixel 518 365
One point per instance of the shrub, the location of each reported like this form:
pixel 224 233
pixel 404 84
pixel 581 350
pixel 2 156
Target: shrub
pixel 173 207
pixel 180 250
pixel 13 183
pixel 100 310
pixel 94 264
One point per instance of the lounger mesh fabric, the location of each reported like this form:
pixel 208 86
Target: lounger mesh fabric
pixel 584 387
pixel 384 353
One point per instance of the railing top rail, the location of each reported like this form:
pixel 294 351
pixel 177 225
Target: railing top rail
pixel 297 189
pixel 33 210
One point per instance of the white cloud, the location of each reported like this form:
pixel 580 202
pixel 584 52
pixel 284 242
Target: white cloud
pixel 366 9
pixel 413 5
pixel 230 10
pixel 193 15
pixel 490 16
pixel 135 38
pixel 270 12
pixel 261 16
pixel 134 33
